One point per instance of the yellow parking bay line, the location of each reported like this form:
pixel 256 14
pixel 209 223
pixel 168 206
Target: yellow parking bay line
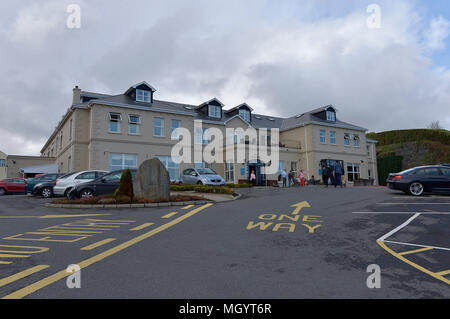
pixel 188 206
pixel 22 274
pixel 443 273
pixel 98 244
pixel 169 215
pixel 414 251
pixel 63 273
pixel 5 262
pixel 145 225
pixel 13 256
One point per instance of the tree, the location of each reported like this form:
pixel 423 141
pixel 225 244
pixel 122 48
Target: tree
pixel 126 186
pixel 434 125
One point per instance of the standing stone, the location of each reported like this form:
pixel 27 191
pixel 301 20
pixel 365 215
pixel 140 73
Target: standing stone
pixel 152 180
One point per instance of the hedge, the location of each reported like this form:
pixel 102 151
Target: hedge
pixel 414 135
pixel 386 165
pixel 202 189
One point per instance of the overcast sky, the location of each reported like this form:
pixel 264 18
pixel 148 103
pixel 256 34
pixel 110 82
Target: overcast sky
pixel 281 57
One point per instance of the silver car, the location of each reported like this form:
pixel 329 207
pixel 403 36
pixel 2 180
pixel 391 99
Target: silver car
pixel 201 176
pixel 64 185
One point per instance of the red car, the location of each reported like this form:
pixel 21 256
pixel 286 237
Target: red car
pixel 12 185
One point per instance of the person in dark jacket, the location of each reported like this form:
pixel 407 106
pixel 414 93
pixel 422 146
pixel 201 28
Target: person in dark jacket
pixel 325 174
pixel 338 170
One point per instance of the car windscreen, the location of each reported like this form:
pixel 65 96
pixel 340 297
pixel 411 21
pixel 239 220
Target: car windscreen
pixel 206 171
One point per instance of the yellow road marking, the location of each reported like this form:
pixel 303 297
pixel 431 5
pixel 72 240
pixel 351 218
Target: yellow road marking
pixel 443 273
pixel 142 226
pixel 22 274
pixel 299 207
pixel 428 272
pixel 98 244
pixel 56 216
pixel 13 256
pixel 414 251
pixel 5 262
pixel 169 215
pixel 63 273
pixel 188 206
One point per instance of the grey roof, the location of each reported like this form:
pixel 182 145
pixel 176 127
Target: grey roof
pixel 40 169
pixel 258 120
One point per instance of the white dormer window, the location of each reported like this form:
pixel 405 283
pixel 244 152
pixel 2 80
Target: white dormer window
pixel 214 111
pixel 142 96
pixel 245 114
pixel 331 116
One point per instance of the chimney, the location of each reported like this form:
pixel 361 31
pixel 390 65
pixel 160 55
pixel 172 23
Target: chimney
pixel 76 95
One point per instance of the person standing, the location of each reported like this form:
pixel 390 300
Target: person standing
pixel 325 175
pixel 302 178
pixel 284 176
pixel 253 178
pixel 338 174
pixel 290 178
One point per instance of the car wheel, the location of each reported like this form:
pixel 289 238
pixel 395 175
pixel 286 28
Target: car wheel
pixel 2 192
pixel 86 193
pixel 67 192
pixel 416 189
pixel 46 192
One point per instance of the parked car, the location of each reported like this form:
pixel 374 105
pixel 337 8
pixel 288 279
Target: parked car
pixel 31 182
pixel 45 189
pixel 419 180
pixel 201 176
pixel 12 185
pixel 64 185
pixel 104 185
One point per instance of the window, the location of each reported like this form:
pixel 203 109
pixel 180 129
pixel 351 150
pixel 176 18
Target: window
pixel 113 177
pixel 347 139
pixel 245 114
pixel 445 171
pixel 158 127
pixel 203 165
pixel 200 136
pixel 429 171
pixel 294 166
pixel 114 122
pixel 280 167
pixel 2 163
pixel 122 161
pixel 229 171
pixel 69 163
pixel 214 111
pixel 70 136
pixel 331 116
pixel 356 141
pixel 322 136
pixel 87 175
pixel 353 172
pixel 333 138
pixel 174 133
pixel 61 141
pixel 171 166
pixel 134 122
pixel 143 96
pixel 368 150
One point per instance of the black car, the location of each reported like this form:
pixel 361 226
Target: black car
pixel 105 185
pixel 45 188
pixel 419 180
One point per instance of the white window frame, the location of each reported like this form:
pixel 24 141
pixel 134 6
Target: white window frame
pixel 346 139
pixel 229 171
pixel 331 116
pixel 123 160
pixel 322 136
pixel 143 96
pixel 332 137
pixel 136 124
pixel 353 170
pixel 175 135
pixel 161 126
pixel 214 111
pixel 114 119
pixel 245 114
pixel 356 141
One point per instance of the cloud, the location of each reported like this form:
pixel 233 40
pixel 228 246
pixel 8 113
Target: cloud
pixel 282 59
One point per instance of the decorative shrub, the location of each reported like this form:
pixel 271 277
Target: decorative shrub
pixel 125 189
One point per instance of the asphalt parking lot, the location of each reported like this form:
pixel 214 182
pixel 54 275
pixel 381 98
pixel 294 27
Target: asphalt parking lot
pixel 311 242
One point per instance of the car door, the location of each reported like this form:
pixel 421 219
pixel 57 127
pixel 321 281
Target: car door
pixel 186 176
pixel 433 179
pixel 445 179
pixel 108 184
pixel 84 177
pixel 19 185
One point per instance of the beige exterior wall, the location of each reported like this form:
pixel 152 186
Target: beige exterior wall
pixel 16 162
pixel 2 168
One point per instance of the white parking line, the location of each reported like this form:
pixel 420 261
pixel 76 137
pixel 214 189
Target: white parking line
pixel 409 213
pixel 416 245
pixel 392 232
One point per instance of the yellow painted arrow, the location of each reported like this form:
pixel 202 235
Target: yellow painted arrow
pixel 56 216
pixel 299 206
